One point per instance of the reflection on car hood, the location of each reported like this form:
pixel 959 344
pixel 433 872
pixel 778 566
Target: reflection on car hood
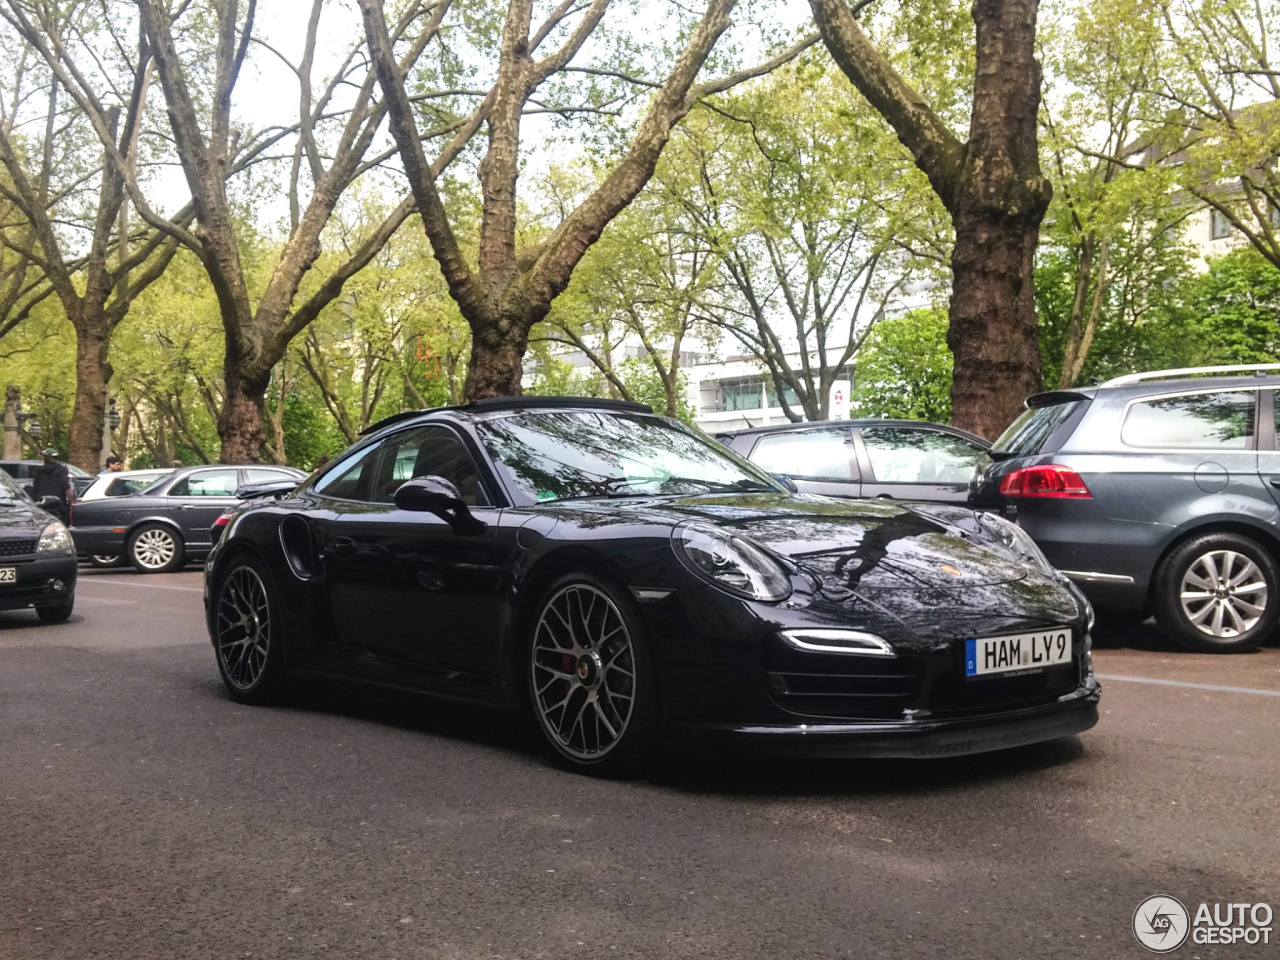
pixel 845 545
pixel 20 518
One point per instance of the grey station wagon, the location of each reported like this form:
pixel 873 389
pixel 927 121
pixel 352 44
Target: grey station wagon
pixel 1157 493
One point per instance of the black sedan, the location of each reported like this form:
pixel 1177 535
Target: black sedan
pixel 162 527
pixel 634 585
pixel 37 558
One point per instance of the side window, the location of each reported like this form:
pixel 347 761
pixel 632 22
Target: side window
pixel 207 483
pixel 349 478
pixel 425 452
pixel 264 475
pixel 126 486
pixel 906 455
pixel 1197 421
pixel 823 454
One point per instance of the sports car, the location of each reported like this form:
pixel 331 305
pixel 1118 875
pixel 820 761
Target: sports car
pixel 635 586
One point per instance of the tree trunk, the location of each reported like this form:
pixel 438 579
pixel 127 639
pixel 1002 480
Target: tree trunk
pixel 93 338
pixel 992 333
pixel 243 410
pixel 497 360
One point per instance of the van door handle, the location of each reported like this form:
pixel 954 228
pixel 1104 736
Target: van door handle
pixel 1274 481
pixel 344 547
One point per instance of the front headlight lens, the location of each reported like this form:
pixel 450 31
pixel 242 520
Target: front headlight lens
pixel 731 563
pixel 1017 541
pixel 56 539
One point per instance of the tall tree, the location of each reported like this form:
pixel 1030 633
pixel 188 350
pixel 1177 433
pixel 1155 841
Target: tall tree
pixel 94 263
pixel 992 186
pixel 509 289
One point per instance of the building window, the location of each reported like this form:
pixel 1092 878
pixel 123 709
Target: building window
pixel 1220 226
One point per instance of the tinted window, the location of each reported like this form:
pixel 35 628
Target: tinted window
pixel 126 486
pixel 1198 421
pixel 350 476
pixel 426 452
pixel 561 454
pixel 1029 433
pixel 903 455
pixel 207 483
pixel 808 454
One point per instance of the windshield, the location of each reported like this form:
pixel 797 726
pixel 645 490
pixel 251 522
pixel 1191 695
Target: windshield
pixel 8 489
pixel 566 454
pixel 1031 431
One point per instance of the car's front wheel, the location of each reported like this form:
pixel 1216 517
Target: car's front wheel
pixel 103 561
pixel 56 613
pixel 248 641
pixel 154 548
pixel 591 682
pixel 1218 593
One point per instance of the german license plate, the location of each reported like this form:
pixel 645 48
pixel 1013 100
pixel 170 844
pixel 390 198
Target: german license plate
pixel 8 574
pixel 1016 652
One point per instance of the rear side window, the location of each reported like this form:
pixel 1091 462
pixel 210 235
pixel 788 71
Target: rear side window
pixel 806 455
pixel 905 455
pixel 1031 431
pixel 1198 421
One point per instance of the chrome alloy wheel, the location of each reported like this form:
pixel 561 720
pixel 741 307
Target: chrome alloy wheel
pixel 244 627
pixel 154 548
pixel 1223 594
pixel 584 672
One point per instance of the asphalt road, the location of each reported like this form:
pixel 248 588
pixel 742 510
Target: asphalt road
pixel 143 814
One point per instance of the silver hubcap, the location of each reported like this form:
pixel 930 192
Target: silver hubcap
pixel 105 559
pixel 1224 594
pixel 584 678
pixel 244 627
pixel 154 548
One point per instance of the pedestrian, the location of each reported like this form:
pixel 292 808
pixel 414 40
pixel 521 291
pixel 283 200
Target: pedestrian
pixel 176 464
pixel 51 479
pixel 114 465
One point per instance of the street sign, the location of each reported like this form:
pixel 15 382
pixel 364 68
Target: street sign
pixel 840 399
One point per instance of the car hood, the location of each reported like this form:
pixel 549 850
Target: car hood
pixel 844 545
pixel 18 518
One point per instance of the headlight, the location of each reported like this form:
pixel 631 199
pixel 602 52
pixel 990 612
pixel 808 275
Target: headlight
pixel 56 539
pixel 1017 541
pixel 731 563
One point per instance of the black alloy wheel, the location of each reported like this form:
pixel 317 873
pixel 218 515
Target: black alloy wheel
pixel 249 641
pixel 1218 593
pixel 591 683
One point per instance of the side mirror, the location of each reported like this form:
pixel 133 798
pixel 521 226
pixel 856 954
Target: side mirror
pixel 786 481
pixel 438 496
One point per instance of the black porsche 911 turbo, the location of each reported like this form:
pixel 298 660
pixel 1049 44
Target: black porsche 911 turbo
pixel 635 585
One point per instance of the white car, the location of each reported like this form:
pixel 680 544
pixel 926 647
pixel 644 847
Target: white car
pixel 122 483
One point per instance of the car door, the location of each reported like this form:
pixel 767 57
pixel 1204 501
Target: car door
pixel 194 501
pixel 819 460
pixel 403 584
pixel 916 463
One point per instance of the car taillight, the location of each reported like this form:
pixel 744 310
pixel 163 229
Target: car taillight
pixel 1049 481
pixel 223 520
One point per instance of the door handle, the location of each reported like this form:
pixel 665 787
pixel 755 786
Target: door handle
pixel 344 547
pixel 1274 481
pixel 884 496
pixel 186 506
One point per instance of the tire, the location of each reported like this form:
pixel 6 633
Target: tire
pixel 155 548
pixel 592 685
pixel 59 614
pixel 102 561
pixel 249 637
pixel 1218 593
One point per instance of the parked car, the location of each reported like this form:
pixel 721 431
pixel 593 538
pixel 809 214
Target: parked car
pixel 122 483
pixel 889 459
pixel 632 582
pixel 1157 493
pixel 37 557
pixel 22 471
pixel 167 524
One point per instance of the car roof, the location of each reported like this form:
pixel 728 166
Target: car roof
pixel 493 404
pixel 866 422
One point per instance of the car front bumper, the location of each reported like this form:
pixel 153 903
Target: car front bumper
pixel 918 738
pixel 46 581
pixel 99 540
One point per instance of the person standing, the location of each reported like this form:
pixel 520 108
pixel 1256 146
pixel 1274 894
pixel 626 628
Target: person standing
pixel 114 465
pixel 52 479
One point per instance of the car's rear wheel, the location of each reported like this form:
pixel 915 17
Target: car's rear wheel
pixel 1218 593
pixel 248 640
pixel 591 682
pixel 102 561
pixel 154 548
pixel 57 613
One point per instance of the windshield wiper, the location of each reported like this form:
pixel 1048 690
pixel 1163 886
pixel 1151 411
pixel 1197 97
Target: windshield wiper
pixel 744 485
